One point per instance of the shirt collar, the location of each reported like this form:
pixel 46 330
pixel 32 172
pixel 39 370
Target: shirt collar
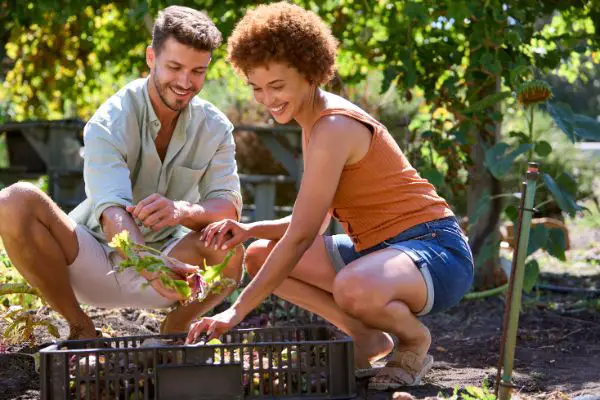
pixel 153 118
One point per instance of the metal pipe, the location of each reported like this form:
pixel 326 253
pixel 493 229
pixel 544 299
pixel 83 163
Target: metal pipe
pixel 516 289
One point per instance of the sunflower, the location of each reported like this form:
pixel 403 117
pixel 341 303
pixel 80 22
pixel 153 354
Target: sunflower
pixel 534 92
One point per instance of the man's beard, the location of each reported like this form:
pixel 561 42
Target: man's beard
pixel 162 90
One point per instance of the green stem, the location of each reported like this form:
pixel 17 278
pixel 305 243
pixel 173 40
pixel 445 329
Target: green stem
pixel 531 139
pixel 543 203
pixel 17 288
pixel 149 249
pixel 486 293
pixel 497 196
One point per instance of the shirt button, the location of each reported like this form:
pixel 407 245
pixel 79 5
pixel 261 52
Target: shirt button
pixel 155 123
pixel 434 235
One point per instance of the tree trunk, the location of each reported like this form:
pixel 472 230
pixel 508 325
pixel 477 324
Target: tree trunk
pixel 484 207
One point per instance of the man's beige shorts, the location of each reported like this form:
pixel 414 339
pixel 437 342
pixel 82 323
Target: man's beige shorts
pixel 94 284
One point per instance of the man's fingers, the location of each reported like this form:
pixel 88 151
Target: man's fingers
pixel 155 218
pixel 142 203
pixel 149 209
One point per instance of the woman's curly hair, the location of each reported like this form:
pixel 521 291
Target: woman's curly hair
pixel 282 32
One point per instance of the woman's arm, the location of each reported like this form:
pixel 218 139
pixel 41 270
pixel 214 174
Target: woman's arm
pixel 272 230
pixel 335 142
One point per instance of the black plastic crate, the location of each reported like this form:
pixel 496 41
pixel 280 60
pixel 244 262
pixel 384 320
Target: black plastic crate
pixel 284 362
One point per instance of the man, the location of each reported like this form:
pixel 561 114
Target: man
pixel 159 163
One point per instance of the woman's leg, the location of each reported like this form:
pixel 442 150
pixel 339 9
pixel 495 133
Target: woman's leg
pixel 384 290
pixel 309 286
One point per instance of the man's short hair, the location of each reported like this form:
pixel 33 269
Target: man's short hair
pixel 187 26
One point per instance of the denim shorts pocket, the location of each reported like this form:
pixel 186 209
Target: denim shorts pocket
pixel 428 236
pixel 420 233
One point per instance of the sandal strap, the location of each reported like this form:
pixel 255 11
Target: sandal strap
pixel 394 375
pixel 407 360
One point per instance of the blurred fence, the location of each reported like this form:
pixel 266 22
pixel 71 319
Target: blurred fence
pixel 54 149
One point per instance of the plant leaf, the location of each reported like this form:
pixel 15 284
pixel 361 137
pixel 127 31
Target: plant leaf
pixel 538 236
pixel 212 272
pixel 586 127
pixel 532 272
pixel 487 101
pixel 511 212
pixel 561 113
pixel 556 244
pixel 565 201
pixel 499 162
pixel 543 148
pixel 434 176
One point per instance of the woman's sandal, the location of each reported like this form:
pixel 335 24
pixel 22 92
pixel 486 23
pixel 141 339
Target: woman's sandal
pixel 360 373
pixel 401 371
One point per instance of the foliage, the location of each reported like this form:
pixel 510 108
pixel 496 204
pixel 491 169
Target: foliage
pixel 473 392
pixel 461 59
pixel 3 152
pixel 23 306
pixel 13 288
pixel 196 287
pixel 21 324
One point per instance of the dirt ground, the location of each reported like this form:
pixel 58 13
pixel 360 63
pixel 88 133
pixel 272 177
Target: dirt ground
pixel 558 344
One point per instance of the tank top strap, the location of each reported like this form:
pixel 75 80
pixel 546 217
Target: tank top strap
pixel 360 116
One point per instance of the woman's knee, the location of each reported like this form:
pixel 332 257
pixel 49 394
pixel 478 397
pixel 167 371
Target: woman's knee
pixel 256 254
pixel 355 293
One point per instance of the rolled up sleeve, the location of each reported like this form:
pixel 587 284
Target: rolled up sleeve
pixel 221 179
pixel 106 174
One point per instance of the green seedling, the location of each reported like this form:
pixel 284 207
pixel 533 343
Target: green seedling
pixel 196 286
pixel 21 325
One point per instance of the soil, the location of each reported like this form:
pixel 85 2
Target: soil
pixel 557 355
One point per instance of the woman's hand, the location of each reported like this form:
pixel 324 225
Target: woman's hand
pixel 214 326
pixel 225 234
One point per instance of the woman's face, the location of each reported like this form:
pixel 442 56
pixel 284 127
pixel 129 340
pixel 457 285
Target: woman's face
pixel 281 88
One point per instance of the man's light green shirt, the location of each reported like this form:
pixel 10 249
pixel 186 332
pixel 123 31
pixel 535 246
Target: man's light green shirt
pixel 122 166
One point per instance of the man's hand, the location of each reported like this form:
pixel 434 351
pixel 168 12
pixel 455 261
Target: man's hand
pixel 224 234
pixel 214 326
pixel 179 271
pixel 157 212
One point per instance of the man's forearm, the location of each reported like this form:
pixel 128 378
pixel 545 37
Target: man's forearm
pixel 115 220
pixel 197 216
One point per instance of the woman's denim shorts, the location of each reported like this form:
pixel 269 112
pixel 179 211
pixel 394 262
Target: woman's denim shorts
pixel 438 248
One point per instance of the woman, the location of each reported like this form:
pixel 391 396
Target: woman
pixel 403 254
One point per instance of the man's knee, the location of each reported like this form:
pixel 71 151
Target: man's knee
pixel 256 254
pixel 234 268
pixel 18 202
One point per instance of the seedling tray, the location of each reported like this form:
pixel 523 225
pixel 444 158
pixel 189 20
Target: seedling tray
pixel 284 362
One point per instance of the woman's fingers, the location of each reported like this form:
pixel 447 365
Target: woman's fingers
pixel 226 231
pixel 211 230
pixel 233 241
pixel 196 330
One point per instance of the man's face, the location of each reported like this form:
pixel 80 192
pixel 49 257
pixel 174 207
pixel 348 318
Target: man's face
pixel 177 72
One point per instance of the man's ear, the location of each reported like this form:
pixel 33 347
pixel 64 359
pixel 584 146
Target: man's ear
pixel 150 57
